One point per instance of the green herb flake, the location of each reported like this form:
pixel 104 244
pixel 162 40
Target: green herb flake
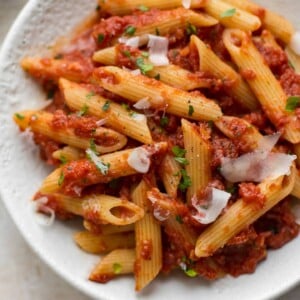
pixel 143 8
pixel 93 146
pixel 98 8
pixel 185 181
pixel 117 268
pixel 130 30
pixel 100 38
pixel 157 31
pixel 292 103
pixel 178 152
pixel 191 29
pixel 231 189
pixel 144 67
pixel 50 94
pixel 164 121
pixel 157 76
pixel 191 273
pixel 181 160
pixel 125 106
pixel 126 53
pixel 58 56
pixel 61 179
pixel 83 111
pixel 90 95
pixel 19 116
pixel 191 110
pixel 101 166
pixel 63 159
pixel 106 106
pixel 179 219
pixel 145 54
pixel 228 13
pixel 291 65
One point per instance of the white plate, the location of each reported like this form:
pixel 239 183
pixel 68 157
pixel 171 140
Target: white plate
pixel 22 172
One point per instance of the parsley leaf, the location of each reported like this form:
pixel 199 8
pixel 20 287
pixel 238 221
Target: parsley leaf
pixel 145 54
pixel 144 67
pixel 130 30
pixel 58 56
pixel 191 29
pixel 228 13
pixel 90 95
pixel 291 65
pixel 191 110
pixel 83 111
pixel 157 76
pixel 61 179
pixel 185 181
pixel 93 146
pixel 292 103
pixel 106 106
pixel 164 121
pixel 143 8
pixel 19 116
pixel 157 31
pixel 100 38
pixel 101 166
pixel 63 159
pixel 191 273
pixel 178 152
pixel 126 53
pixel 117 268
pixel 182 160
pixel 179 219
pixel 50 94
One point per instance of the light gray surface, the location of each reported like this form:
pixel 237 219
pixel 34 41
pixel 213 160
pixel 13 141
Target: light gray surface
pixel 22 274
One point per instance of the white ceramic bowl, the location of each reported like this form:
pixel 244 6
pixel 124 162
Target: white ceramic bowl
pixel 22 171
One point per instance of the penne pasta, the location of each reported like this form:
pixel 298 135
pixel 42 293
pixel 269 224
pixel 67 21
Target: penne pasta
pixel 159 95
pixel 148 240
pixel 116 166
pixel 296 190
pixel 67 154
pixel 106 229
pixel 42 122
pixel 117 262
pixel 241 214
pixel 239 18
pixel 263 83
pixel 97 244
pixel 134 126
pixel 210 62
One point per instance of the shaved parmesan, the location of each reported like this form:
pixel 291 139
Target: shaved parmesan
pixel 186 3
pixel 266 143
pixel 158 50
pixel 135 72
pixel 295 42
pixel 46 219
pixel 139 117
pixel 159 213
pixel 101 122
pixel 132 42
pixel 216 202
pixel 142 104
pixel 139 160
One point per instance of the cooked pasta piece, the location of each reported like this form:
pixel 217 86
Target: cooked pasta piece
pixel 210 62
pixel 263 83
pixel 296 190
pixel 278 25
pixel 169 74
pixel 114 165
pixel 97 244
pixel 113 7
pixel 106 229
pixel 159 95
pixel 170 175
pixel 133 125
pixel 67 154
pixel 198 155
pixel 148 240
pixel 117 262
pixel 41 122
pixel 237 18
pixel 241 214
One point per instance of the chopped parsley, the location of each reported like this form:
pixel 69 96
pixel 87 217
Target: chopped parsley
pixel 61 179
pixel 179 219
pixel 98 7
pixel 178 152
pixel 228 13
pixel 90 95
pixel 93 146
pixel 157 31
pixel 292 103
pixel 157 76
pixel 144 67
pixel 106 106
pixel 50 94
pixel 100 38
pixel 130 30
pixel 143 8
pixel 185 181
pixel 125 106
pixel 191 273
pixel 164 121
pixel 231 189
pixel 83 111
pixel 191 110
pixel 126 53
pixel 101 166
pixel 291 65
pixel 182 160
pixel 117 268
pixel 63 159
pixel 58 56
pixel 145 54
pixel 191 29
pixel 19 116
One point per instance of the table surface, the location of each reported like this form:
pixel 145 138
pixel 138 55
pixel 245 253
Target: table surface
pixel 22 274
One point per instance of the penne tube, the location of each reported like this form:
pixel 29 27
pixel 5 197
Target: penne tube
pixel 148 240
pixel 117 262
pixel 67 154
pixel 116 165
pixel 268 39
pixel 101 209
pixel 41 122
pixel 106 229
pixel 134 126
pixel 241 214
pixel 50 68
pixel 240 19
pixel 113 7
pixel 296 190
pixel 160 96
pixel 198 155
pixel 170 175
pixel 263 83
pixel 278 25
pixel 97 244
pixel 169 74
pixel 210 62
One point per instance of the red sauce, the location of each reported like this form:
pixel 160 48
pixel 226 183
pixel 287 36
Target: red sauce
pixel 146 249
pixel 251 194
pixel 248 74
